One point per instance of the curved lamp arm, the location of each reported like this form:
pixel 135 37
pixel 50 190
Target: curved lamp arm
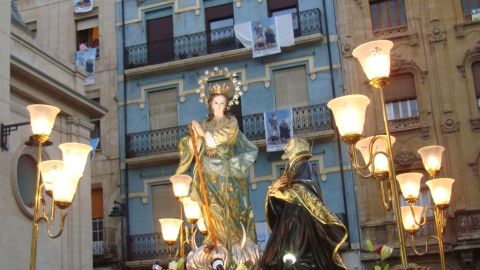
pixel 62 223
pixel 425 251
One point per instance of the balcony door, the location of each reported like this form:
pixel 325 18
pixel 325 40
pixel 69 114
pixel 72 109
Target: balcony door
pixel 160 40
pixel 219 24
pixel 164 204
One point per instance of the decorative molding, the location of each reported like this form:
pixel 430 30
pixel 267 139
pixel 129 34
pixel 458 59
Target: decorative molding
pixel 450 124
pixel 460 28
pixel 473 52
pixel 475 123
pixel 437 35
pixel 347 50
pixel 322 170
pixel 266 80
pixel 405 158
pixel 398 62
pixel 146 7
pixel 359 3
pixel 196 7
pixel 475 166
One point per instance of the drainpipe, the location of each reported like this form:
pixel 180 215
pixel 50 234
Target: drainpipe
pixel 126 250
pixel 339 145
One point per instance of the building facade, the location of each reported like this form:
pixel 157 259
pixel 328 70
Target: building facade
pixel 63 29
pixel 164 47
pixel 432 98
pixel 30 74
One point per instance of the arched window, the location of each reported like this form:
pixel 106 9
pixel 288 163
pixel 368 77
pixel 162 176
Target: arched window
pixel 476 80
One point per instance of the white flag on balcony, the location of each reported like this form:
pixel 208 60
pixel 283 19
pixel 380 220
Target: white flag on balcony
pixel 248 34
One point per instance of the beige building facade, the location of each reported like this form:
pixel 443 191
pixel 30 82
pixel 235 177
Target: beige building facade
pixel 38 48
pixel 63 32
pixel 432 98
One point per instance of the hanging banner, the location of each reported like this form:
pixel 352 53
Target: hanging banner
pixel 82 6
pixel 278 129
pixel 264 37
pixel 86 61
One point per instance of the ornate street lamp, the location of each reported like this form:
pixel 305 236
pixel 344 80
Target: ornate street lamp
pixel 60 177
pixel 377 153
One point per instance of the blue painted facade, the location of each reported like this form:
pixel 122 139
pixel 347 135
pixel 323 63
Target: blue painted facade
pixel 260 97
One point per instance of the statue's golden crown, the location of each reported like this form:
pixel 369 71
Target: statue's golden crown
pixel 218 89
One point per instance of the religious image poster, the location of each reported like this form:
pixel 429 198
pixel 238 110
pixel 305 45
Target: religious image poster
pixel 86 60
pixel 263 234
pixel 264 37
pixel 278 129
pixel 82 6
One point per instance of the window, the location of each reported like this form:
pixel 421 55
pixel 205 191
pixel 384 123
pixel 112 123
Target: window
pixel 97 220
pixel 164 204
pixel 219 24
pixel 476 78
pixel 88 35
pixel 26 177
pixel 401 97
pixel 162 109
pixel 387 14
pixel 291 88
pixel 277 8
pixel 160 40
pixel 95 133
pixel 468 6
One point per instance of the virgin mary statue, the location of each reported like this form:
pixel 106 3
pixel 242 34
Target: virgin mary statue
pixel 225 155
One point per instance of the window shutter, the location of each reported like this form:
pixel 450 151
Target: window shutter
pixel 164 204
pixel 401 87
pixel 476 77
pixel 162 108
pixel 291 87
pixel 97 203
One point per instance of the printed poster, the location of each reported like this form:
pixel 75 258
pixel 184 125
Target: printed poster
pixel 82 6
pixel 265 37
pixel 278 129
pixel 86 61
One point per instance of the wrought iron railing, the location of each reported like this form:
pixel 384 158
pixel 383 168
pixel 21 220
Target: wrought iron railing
pixel 404 123
pixel 306 119
pixel 306 22
pixel 107 245
pixel 149 246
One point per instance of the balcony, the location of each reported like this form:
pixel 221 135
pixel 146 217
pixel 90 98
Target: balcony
pixel 105 251
pixel 305 23
pixel 308 121
pixel 147 247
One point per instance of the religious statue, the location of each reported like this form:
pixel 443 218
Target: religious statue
pixel 305 234
pixel 225 156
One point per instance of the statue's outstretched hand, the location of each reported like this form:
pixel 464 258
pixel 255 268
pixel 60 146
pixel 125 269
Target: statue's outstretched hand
pixel 198 128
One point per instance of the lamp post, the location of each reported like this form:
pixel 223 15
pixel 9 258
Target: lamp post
pixel 377 152
pixel 60 177
pixel 441 191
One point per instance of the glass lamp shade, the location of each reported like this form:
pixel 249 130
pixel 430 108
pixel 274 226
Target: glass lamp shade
pixel 51 170
pixel 408 218
pixel 75 157
pixel 410 185
pixel 432 158
pixel 380 160
pixel 201 226
pixel 192 210
pixel 374 56
pixel 170 229
pixel 181 184
pixel 349 113
pixel 64 189
pixel 441 190
pixel 42 118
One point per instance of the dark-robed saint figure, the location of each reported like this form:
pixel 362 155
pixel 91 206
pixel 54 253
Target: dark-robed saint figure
pixel 305 234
